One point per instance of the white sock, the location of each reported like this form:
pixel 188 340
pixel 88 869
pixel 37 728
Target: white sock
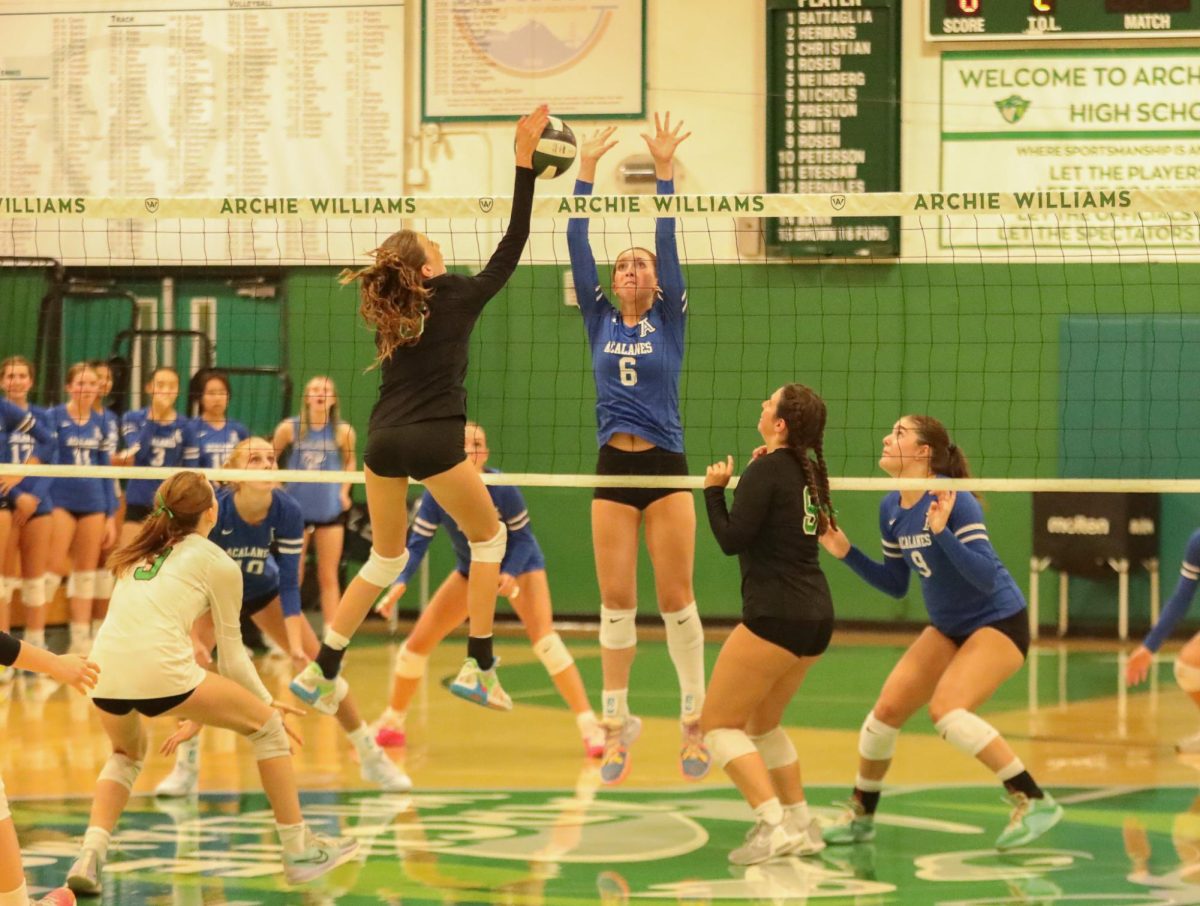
pixel 1010 770
pixel 364 742
pixel 80 632
pixel 35 637
pixel 685 643
pixel 586 721
pixel 336 640
pixel 97 839
pixel 798 812
pixel 188 753
pixel 393 718
pixel 616 704
pixel 867 786
pixel 18 897
pixel 770 811
pixel 291 837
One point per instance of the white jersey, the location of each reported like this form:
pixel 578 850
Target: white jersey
pixel 144 646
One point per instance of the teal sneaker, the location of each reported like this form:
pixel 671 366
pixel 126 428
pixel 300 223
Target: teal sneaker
pixel 694 757
pixel 481 686
pixel 854 825
pixel 312 688
pixel 1030 819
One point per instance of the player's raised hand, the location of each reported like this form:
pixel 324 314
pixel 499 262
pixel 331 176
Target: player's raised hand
pixel 665 140
pixel 597 144
pixel 529 130
pixel 719 473
pixel 939 510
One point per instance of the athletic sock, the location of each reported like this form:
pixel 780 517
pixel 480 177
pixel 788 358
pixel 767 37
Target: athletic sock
pixel 1018 780
pixel 616 705
pixel 18 897
pixel 333 649
pixel 291 837
pixel 364 742
pixel 97 839
pixel 798 813
pixel 869 799
pixel 770 811
pixel 480 648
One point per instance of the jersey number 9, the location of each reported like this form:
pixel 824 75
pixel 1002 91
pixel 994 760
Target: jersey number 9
pixel 922 567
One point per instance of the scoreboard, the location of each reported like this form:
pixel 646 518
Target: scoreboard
pixel 993 20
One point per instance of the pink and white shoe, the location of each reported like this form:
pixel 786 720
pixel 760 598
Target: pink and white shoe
pixel 390 738
pixel 593 742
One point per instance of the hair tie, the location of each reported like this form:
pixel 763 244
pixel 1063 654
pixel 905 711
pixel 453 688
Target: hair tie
pixel 162 506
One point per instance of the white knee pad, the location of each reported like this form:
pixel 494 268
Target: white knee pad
pixel 409 664
pixel 270 740
pixel 122 769
pixel 726 745
pixel 81 584
pixel 776 749
pixel 4 812
pixel 33 593
pixel 967 732
pixel 492 550
pixel 105 581
pixel 52 581
pixel 1187 676
pixel 877 740
pixel 618 628
pixel 553 654
pixel 382 571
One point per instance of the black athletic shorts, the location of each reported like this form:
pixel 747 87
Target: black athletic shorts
pixel 654 461
pixel 253 605
pixel 136 512
pixel 151 707
pixel 1016 628
pixel 418 450
pixel 803 638
pixel 339 519
pixel 6 504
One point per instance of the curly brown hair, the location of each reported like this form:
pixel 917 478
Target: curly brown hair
pixel 393 294
pixel 803 411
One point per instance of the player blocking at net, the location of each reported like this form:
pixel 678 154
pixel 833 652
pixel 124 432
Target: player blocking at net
pixel 423 319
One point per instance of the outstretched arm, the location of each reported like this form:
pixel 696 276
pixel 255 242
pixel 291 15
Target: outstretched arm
pixel 583 264
pixel 662 147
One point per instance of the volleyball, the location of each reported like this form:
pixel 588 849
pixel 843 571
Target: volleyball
pixel 555 150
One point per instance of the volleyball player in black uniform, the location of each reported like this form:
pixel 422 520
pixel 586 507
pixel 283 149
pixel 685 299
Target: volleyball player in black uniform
pixel 423 318
pixel 780 507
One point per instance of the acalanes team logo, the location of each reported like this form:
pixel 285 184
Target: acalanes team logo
pixel 1013 108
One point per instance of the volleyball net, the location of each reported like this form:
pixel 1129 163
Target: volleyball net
pixel 1051 331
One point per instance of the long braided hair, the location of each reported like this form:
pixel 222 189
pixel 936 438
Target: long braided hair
pixel 803 411
pixel 179 503
pixel 394 299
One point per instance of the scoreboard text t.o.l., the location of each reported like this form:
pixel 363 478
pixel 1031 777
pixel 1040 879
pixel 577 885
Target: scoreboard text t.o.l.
pixel 1013 20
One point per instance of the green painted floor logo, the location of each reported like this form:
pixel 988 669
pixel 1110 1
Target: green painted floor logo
pixel 1118 846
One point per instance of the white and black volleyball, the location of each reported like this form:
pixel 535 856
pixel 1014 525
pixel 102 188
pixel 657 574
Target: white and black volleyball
pixel 555 150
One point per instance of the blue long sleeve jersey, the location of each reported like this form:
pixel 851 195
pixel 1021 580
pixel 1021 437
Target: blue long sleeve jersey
pixel 268 552
pixel 155 443
pixel 636 369
pixel 963 582
pixel 522 556
pixel 22 445
pixel 89 444
pixel 1181 598
pixel 216 444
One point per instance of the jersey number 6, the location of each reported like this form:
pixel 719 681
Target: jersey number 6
pixel 626 370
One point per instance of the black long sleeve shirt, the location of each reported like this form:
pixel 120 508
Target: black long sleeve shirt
pixel 425 381
pixel 781 575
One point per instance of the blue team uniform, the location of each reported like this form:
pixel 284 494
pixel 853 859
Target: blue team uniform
pixel 523 555
pixel 89 444
pixel 216 444
pixel 153 443
pixel 964 584
pixel 637 368
pixel 316 451
pixel 21 446
pixel 267 553
pixel 1181 598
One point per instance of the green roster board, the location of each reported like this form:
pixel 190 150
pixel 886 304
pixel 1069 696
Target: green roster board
pixel 833 120
pixel 993 20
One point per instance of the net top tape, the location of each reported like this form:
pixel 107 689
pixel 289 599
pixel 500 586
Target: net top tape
pixel 1075 202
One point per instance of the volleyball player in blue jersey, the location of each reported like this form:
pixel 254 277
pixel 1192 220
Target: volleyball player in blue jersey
pixel 637 354
pixel 1187 662
pixel 216 434
pixel 260 527
pixel 112 431
pixel 423 317
pixel 320 442
pixel 978 637
pixel 83 507
pixel 522 580
pixel 31 504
